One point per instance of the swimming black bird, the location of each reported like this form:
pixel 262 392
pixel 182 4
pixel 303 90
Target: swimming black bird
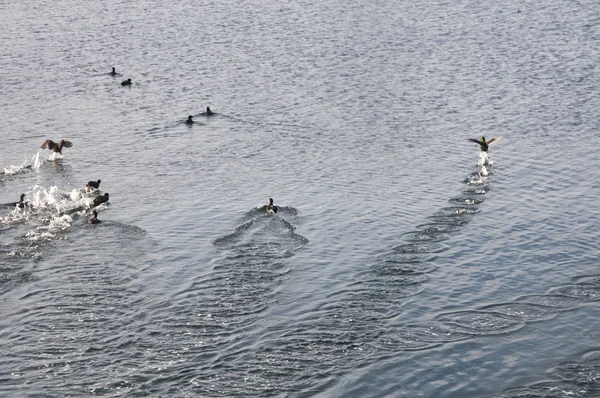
pixel 208 112
pixel 126 82
pixel 93 184
pixel 94 220
pixel 113 72
pixel 483 143
pixel 53 146
pixel 20 204
pixel 98 200
pixel 270 208
pixel 189 120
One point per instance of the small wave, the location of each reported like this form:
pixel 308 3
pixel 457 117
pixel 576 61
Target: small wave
pixel 477 191
pixel 478 322
pixel 263 235
pixel 466 200
pixel 570 379
pixel 288 212
pixel 420 337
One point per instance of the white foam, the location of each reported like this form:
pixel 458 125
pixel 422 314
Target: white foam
pixel 34 164
pixel 47 232
pixel 484 159
pixel 54 156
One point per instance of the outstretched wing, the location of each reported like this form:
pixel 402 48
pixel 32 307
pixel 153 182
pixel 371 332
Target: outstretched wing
pixel 496 139
pixel 474 140
pixel 48 144
pixel 66 144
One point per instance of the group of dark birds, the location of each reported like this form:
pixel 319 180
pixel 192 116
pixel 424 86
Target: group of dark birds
pixel 91 185
pixel 94 185
pixel 188 121
pixel 270 208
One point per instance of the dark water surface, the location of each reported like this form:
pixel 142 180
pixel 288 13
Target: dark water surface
pixel 397 264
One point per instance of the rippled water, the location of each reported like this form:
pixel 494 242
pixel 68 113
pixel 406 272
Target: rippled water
pixel 402 262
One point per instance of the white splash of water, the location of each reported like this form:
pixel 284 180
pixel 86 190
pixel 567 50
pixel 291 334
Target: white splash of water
pixel 47 232
pixel 484 159
pixel 35 164
pixel 17 215
pixel 484 171
pixel 54 156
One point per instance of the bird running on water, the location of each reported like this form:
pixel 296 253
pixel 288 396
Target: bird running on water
pixel 56 147
pixel 483 144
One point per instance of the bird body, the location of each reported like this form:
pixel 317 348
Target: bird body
pixel 98 200
pixel 20 204
pixel 94 220
pixel 56 147
pixel 93 184
pixel 483 144
pixel 126 82
pixel 270 208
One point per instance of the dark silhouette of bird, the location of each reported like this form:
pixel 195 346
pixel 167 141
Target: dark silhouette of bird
pixel 189 120
pixel 208 112
pixel 94 220
pixel 483 143
pixel 93 184
pixel 98 200
pixel 20 204
pixel 126 82
pixel 113 72
pixel 53 146
pixel 270 207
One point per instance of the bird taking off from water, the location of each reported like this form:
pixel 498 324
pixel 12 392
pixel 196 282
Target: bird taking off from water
pixel 53 146
pixel 483 143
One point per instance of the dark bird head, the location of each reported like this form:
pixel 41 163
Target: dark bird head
pixel 271 201
pixel 22 197
pixel 482 139
pixel 208 111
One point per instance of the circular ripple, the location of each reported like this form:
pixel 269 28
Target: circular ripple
pixel 480 322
